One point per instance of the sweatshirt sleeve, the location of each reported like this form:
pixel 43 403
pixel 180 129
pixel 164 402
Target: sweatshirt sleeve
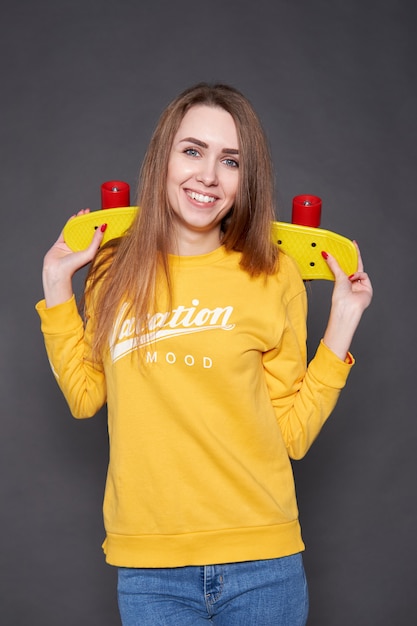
pixel 303 397
pixel 68 346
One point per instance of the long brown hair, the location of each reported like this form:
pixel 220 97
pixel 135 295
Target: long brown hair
pixel 131 268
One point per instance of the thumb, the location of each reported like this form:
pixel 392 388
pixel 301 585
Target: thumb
pixel 90 252
pixel 98 237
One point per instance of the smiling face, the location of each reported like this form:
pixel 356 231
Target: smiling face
pixel 203 176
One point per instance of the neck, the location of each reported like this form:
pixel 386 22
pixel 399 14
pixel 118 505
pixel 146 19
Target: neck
pixel 194 244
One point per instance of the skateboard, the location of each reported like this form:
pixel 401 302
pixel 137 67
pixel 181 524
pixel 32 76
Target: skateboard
pixel 302 242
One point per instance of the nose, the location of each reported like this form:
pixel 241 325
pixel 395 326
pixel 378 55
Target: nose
pixel 207 173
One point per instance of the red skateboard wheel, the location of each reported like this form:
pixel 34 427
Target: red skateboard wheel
pixel 115 194
pixel 306 210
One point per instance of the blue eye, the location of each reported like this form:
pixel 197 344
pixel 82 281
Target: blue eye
pixel 192 152
pixel 231 162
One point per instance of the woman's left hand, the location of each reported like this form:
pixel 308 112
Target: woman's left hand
pixel 351 296
pixel 351 291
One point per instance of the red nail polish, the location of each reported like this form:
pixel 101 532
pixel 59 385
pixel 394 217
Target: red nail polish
pixel 103 227
pixel 324 254
pixel 351 276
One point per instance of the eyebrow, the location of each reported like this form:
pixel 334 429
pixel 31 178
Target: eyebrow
pixel 202 144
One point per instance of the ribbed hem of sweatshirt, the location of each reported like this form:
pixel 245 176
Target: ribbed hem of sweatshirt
pixel 328 369
pixel 58 316
pixel 204 548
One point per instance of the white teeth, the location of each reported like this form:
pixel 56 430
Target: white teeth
pixel 200 197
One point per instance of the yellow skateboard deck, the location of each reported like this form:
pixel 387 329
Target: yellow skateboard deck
pixel 303 243
pixel 79 230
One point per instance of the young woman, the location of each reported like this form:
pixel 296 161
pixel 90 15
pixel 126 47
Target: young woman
pixel 194 334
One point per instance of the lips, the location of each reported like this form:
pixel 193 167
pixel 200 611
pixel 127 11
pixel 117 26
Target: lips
pixel 199 197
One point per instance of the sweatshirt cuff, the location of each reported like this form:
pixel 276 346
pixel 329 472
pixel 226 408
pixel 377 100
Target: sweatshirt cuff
pixel 55 319
pixel 329 369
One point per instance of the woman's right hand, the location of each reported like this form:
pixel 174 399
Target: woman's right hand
pixel 61 263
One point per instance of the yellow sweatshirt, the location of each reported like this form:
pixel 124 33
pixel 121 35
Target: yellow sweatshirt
pixel 202 428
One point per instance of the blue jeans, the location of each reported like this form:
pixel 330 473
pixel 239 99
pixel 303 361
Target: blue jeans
pixel 252 593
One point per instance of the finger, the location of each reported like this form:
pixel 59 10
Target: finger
pixel 81 212
pixel 97 238
pixel 361 279
pixel 358 277
pixel 100 231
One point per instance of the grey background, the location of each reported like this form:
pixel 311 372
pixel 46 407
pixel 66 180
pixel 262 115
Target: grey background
pixel 334 82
